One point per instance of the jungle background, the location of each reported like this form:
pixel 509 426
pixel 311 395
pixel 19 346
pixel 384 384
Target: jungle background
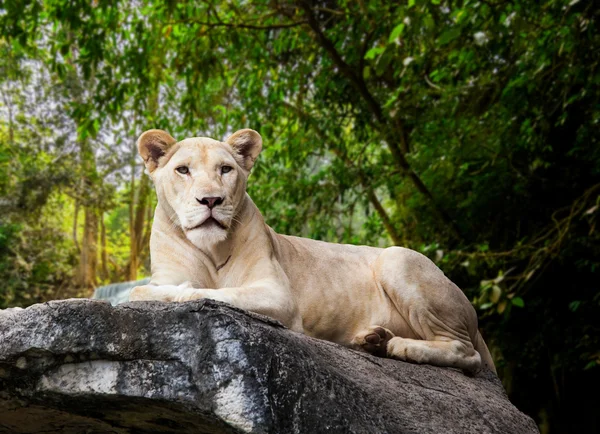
pixel 466 130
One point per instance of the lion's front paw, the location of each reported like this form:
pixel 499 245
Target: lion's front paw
pixel 374 340
pixel 140 293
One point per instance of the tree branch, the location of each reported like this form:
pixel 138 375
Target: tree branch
pixel 387 223
pixel 385 218
pixel 346 69
pixel 240 25
pixel 391 135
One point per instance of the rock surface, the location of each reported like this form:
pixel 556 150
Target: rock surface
pixel 84 366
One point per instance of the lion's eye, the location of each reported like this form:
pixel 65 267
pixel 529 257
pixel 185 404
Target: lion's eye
pixel 183 170
pixel 226 169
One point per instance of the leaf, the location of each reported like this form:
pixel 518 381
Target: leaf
pixel 518 301
pixel 411 3
pixel 496 293
pixel 485 306
pixel 396 32
pixel 591 210
pixel 530 274
pixel 449 36
pixel 374 52
pixel 393 97
pixel 502 306
pixel 366 72
pixel 485 284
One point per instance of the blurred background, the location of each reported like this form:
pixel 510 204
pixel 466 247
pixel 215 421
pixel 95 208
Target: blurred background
pixel 466 130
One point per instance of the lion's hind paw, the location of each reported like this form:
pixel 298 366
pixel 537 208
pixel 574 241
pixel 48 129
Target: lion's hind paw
pixel 374 340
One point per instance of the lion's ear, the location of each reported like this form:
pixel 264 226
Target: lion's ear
pixel 247 143
pixel 152 145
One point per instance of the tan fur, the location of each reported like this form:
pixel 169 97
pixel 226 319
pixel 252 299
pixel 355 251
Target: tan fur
pixel 393 302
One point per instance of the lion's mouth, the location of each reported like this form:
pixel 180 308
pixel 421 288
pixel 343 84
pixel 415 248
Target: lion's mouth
pixel 211 221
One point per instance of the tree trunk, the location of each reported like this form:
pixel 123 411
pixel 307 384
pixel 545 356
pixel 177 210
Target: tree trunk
pixel 103 254
pixel 145 250
pixel 132 268
pixel 137 219
pixel 141 211
pixel 75 224
pixel 88 259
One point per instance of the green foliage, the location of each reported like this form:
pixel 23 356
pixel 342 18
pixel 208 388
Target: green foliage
pixel 36 261
pixel 466 130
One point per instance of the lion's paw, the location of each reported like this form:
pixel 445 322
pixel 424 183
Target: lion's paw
pixel 137 293
pixel 374 340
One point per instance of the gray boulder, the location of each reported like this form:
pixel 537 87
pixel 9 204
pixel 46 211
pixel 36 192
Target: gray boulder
pixel 84 366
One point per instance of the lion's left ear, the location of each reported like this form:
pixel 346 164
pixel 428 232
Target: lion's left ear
pixel 153 145
pixel 247 143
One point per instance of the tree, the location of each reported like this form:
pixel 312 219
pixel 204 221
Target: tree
pixel 465 130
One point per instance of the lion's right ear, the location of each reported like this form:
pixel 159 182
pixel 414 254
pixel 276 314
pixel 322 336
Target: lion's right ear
pixel 247 144
pixel 152 145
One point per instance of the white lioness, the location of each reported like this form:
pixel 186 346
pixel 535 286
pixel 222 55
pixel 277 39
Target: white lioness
pixel 210 241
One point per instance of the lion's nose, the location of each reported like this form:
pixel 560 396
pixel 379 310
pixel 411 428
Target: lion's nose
pixel 210 202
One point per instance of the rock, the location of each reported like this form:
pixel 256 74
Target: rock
pixel 84 366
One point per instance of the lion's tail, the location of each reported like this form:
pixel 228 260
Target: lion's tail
pixel 484 352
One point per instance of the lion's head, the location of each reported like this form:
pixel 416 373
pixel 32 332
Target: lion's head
pixel 199 181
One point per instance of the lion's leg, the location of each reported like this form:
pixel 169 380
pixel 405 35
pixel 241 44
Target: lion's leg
pixel 381 342
pixel 451 353
pixel 267 299
pixel 434 320
pixel 158 292
pixel 373 340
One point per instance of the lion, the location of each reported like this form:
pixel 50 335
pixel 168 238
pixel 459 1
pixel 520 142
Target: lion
pixel 209 240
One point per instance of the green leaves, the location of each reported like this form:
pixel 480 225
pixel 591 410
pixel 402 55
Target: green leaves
pixel 374 52
pixel 518 301
pixel 493 294
pixel 493 107
pixel 396 32
pixel 449 35
pixel 88 129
